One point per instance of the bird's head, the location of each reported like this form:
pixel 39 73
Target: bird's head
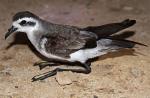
pixel 23 22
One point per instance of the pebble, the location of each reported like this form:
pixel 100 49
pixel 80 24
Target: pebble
pixel 63 79
pixel 136 72
pixel 95 96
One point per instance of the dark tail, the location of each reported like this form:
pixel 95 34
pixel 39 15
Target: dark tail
pixel 109 29
pixel 110 44
pixel 126 41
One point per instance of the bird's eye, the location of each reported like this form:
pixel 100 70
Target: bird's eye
pixel 23 22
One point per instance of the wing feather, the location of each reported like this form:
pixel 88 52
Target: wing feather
pixel 64 43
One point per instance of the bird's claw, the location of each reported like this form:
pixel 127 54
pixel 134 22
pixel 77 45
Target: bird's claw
pixel 44 75
pixel 44 64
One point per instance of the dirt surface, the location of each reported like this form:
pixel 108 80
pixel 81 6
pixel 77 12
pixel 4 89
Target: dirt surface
pixel 118 75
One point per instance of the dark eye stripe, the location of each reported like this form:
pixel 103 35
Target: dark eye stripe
pixel 23 22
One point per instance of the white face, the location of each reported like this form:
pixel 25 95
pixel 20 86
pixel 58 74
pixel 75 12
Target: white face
pixel 26 24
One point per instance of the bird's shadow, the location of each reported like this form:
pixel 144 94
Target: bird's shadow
pixel 21 39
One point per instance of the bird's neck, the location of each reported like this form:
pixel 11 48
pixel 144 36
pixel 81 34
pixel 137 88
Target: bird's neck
pixel 34 38
pixel 34 35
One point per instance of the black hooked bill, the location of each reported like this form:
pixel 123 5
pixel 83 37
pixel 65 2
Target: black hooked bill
pixel 10 31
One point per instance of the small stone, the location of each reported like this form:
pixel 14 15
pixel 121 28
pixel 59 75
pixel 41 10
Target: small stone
pixel 136 72
pixel 16 86
pixel 8 73
pixel 63 79
pixel 95 96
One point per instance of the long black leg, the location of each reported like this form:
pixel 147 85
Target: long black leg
pixel 45 64
pixel 86 70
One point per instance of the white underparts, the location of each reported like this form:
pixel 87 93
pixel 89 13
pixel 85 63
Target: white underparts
pixel 85 54
pixel 103 47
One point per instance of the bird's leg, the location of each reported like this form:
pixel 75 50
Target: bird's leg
pixel 43 64
pixel 86 69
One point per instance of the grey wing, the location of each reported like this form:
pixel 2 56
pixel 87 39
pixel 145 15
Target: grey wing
pixel 63 44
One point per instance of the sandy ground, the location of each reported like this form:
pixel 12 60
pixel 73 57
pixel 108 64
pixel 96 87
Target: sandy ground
pixel 119 75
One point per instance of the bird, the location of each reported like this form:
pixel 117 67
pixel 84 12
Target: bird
pixel 70 45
